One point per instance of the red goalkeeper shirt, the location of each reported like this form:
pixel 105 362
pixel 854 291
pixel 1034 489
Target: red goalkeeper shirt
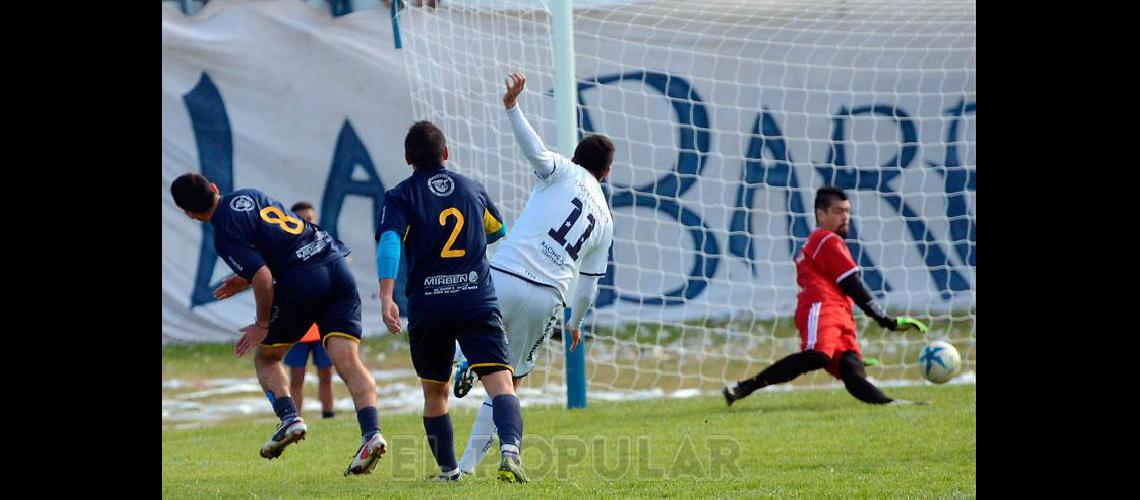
pixel 821 264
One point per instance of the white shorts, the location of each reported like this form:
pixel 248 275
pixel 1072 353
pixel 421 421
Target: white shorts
pixel 530 312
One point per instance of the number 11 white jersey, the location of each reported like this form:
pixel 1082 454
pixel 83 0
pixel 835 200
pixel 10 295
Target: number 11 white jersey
pixel 566 227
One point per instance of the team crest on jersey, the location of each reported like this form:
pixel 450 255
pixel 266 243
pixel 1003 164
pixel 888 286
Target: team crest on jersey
pixel 441 185
pixel 241 203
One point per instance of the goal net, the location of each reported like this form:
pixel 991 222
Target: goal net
pixel 727 116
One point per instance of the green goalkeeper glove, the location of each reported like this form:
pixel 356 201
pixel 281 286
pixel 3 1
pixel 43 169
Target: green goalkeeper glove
pixel 904 323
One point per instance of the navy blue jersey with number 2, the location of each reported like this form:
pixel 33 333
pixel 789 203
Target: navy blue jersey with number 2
pixel 444 219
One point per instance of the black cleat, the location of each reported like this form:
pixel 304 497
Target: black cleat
pixel 730 394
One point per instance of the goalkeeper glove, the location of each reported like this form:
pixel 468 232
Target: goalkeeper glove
pixel 905 323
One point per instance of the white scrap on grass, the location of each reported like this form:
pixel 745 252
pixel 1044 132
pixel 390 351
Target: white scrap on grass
pixel 407 397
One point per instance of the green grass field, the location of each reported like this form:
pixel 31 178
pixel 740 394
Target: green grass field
pixel 806 443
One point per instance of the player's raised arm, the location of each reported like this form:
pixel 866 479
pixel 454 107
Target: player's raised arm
pixel 543 161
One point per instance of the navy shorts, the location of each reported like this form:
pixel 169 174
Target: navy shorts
pixel 299 355
pixel 325 295
pixel 480 335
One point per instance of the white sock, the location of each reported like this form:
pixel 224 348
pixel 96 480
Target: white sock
pixel 482 437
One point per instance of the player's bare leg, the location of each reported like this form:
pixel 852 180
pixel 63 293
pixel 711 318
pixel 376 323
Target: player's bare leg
pixel 271 376
pixel 508 423
pixel 435 398
pixel 345 356
pixel 297 387
pixel 784 370
pixel 325 391
pixel 362 387
pixel 270 370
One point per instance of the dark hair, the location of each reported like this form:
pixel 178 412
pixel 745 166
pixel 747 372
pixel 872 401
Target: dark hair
pixel 192 193
pixel 424 144
pixel 595 153
pixel 301 205
pixel 827 195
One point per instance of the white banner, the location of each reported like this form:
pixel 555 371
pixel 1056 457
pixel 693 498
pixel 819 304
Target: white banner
pixel 267 93
pixel 280 97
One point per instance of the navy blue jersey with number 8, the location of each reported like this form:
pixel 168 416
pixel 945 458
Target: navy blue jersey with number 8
pixel 252 230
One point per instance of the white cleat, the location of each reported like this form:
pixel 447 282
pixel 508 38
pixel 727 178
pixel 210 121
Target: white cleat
pixel 288 432
pixel 366 457
pixel 447 477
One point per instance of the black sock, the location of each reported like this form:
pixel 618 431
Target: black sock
pixel 508 421
pixel 785 370
pixel 440 438
pixel 855 380
pixel 368 419
pixel 284 408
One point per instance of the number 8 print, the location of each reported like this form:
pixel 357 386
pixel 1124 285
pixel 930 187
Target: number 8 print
pixel 291 225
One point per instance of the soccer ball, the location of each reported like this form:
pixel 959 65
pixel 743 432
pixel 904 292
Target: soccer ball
pixel 939 362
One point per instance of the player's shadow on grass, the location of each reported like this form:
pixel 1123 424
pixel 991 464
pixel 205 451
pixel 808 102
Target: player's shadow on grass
pixel 775 407
pixel 755 406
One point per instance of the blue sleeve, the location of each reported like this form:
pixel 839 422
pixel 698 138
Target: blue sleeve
pixel 388 255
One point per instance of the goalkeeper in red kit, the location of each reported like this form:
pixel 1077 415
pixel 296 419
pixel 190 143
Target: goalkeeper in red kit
pixel 829 281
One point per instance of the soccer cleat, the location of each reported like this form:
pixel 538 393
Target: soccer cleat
pixel 731 394
pixel 510 469
pixel 288 432
pixel 365 458
pixel 446 477
pixel 464 379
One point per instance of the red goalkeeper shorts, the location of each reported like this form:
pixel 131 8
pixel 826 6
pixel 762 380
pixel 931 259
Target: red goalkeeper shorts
pixel 829 330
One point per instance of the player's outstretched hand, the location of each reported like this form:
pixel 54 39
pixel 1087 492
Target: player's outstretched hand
pixel 390 313
pixel 230 285
pixel 515 84
pixel 252 335
pixel 904 323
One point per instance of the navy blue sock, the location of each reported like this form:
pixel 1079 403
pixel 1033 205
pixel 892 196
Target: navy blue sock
pixel 440 438
pixel 369 421
pixel 508 420
pixel 284 408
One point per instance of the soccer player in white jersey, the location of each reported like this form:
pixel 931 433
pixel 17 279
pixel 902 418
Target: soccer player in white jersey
pixel 565 231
